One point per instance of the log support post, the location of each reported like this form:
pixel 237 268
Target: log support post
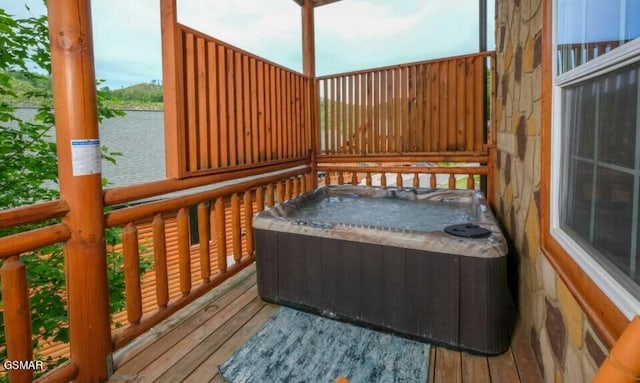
pixel 76 120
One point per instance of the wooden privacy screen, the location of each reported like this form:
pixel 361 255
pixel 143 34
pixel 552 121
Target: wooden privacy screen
pixel 428 106
pixel 234 109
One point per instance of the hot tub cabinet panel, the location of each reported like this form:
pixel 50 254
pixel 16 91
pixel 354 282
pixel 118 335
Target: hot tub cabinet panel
pixel 451 299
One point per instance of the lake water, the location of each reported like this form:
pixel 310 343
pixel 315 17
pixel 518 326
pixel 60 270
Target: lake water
pixel 139 136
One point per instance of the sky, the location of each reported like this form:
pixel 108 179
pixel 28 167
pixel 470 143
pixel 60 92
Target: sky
pixel 350 34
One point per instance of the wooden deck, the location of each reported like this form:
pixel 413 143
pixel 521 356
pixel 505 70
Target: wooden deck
pixel 190 345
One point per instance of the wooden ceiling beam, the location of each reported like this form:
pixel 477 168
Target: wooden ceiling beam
pixel 316 3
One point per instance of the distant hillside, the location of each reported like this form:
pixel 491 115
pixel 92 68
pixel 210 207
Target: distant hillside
pixel 151 92
pixel 30 90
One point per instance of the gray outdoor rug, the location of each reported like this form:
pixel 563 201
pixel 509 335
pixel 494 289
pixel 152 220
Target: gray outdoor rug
pixel 294 346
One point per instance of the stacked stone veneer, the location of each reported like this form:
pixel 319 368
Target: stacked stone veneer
pixel 566 347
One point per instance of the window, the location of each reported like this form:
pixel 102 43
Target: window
pixel 596 143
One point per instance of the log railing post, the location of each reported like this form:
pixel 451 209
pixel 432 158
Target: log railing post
pixel 76 121
pixel 17 319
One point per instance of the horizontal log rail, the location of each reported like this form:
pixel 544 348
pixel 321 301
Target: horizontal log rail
pixel 36 213
pixel 427 106
pixel 479 157
pixel 125 215
pixel 123 194
pixel 354 174
pixel 33 239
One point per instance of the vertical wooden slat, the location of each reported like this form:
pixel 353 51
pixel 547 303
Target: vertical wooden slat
pixel 355 114
pixel 267 113
pixel 17 318
pixel 411 105
pixel 404 117
pixel 384 134
pixel 191 101
pixel 295 115
pixel 273 108
pixel 325 117
pixel 368 179
pixel 420 109
pixel 354 178
pixel 286 112
pixel 451 106
pixel 241 76
pixel 340 178
pixel 399 180
pixel 416 180
pixel 270 196
pixel 248 216
pixel 383 179
pixel 244 113
pixel 479 95
pixel 221 235
pixel 327 178
pixel 452 181
pixel 370 134
pixel 397 110
pixel 469 105
pixel 427 134
pixel 260 199
pixel 432 181
pixel 280 192
pixel 223 110
pixel 231 105
pixel 160 261
pixel 361 119
pixel 236 229
pixel 261 112
pixel 203 240
pixel 344 133
pixel 203 128
pixel 461 136
pixel 435 107
pixel 253 133
pixel 351 132
pixel 212 92
pixel 279 115
pixel 444 107
pixel 376 113
pixel 335 141
pixel 184 255
pixel 132 273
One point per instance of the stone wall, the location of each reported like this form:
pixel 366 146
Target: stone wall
pixel 565 345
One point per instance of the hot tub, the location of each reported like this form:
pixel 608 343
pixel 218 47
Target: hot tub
pixel 380 258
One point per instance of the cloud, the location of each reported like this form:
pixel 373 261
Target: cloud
pixel 350 34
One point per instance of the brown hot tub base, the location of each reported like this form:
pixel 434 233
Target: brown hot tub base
pixel 454 300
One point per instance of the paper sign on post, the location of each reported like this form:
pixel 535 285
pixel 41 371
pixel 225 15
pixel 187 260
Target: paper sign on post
pixel 85 157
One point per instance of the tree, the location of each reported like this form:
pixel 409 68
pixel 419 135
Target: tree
pixel 28 173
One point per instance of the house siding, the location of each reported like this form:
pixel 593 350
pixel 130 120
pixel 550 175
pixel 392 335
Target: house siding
pixel 566 347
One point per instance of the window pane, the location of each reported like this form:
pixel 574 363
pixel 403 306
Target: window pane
pixel 587 29
pixel 600 170
pixel 618 100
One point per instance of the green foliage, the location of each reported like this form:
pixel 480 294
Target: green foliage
pixel 29 174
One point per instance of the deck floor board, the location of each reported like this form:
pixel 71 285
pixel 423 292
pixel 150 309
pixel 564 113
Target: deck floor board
pixel 191 345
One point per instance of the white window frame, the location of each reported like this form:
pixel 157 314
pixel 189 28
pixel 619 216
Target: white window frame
pixel 624 55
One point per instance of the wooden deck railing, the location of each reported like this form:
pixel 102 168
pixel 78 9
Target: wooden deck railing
pixel 570 56
pixel 237 201
pixel 226 108
pixel 436 106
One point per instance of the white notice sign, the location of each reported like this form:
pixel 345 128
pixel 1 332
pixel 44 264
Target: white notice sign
pixel 85 157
